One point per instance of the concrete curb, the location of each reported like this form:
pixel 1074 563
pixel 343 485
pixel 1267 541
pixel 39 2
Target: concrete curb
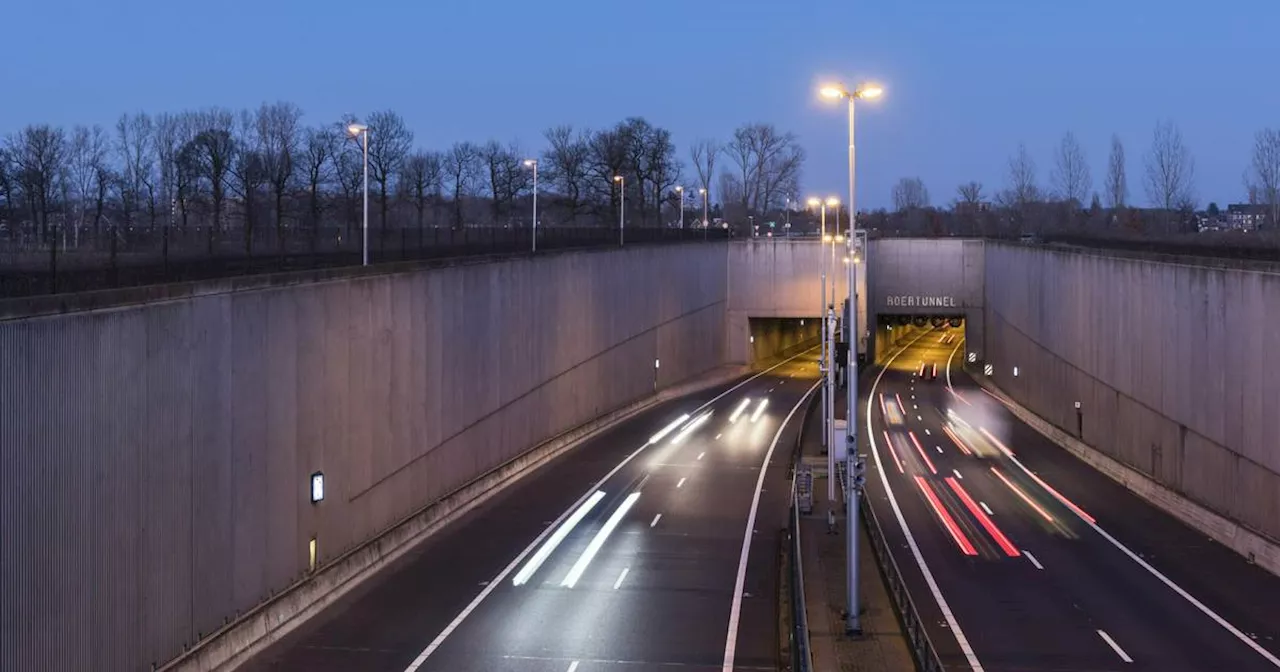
pixel 249 635
pixel 1253 546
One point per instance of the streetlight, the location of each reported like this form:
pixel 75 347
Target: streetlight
pixel 533 163
pixel 362 130
pixel 822 367
pixel 853 463
pixel 705 224
pixel 680 197
pixel 829 307
pixel 622 205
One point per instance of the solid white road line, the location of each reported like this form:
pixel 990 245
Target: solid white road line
pixel 655 520
pixel 621 576
pixel 1115 647
pixel 952 624
pixel 701 455
pixel 735 611
pixel 572 666
pixel 502 576
pixel 1032 558
pixel 680 484
pixel 986 508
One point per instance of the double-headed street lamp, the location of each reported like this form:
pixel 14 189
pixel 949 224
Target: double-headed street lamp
pixel 855 467
pixel 362 131
pixel 828 393
pixel 622 206
pixel 533 163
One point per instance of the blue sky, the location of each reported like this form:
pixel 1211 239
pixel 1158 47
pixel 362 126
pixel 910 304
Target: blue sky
pixel 965 81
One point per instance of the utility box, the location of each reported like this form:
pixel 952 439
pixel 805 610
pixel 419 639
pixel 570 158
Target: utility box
pixel 804 488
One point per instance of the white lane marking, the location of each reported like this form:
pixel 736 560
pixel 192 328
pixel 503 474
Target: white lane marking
pixel 915 407
pixel 939 449
pixel 548 548
pixel 927 432
pixel 502 576
pixel 702 455
pixel 735 611
pixel 680 484
pixel 1115 647
pixel 1248 641
pixel 597 542
pixel 655 520
pixel 718 437
pixel 572 666
pixel 986 508
pixel 949 358
pixel 621 576
pixel 919 418
pixel 1226 625
pixel 954 471
pixel 1032 558
pixel 952 624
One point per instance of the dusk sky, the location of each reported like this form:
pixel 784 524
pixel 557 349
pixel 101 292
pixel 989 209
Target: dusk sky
pixel 965 81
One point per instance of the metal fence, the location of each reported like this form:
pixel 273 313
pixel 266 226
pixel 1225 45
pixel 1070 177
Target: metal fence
pixel 913 626
pixel 110 258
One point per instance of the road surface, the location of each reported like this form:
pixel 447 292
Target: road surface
pixel 1023 558
pixel 621 555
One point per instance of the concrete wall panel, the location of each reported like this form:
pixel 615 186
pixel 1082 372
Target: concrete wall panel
pixel 156 456
pixel 1169 360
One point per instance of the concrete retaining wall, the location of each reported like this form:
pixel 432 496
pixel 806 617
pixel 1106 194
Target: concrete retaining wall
pixel 154 459
pixel 931 277
pixel 1174 365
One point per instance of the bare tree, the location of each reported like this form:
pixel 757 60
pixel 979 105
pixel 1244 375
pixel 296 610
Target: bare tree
pixel 1117 189
pixel 8 184
pixel 210 154
pixel 1170 170
pixel 1022 190
pixel 87 173
pixel 462 169
pixel 970 194
pixel 910 194
pixel 1264 182
pixel 172 132
pixel 703 153
pixel 507 175
pixel 768 165
pixel 137 165
pixel 348 166
pixel 608 158
pixel 38 154
pixel 1071 171
pixel 567 165
pixel 279 138
pixel 421 181
pixel 319 148
pixel 389 144
pixel 249 172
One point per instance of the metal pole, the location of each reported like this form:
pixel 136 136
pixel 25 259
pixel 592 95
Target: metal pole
pixel 705 224
pixel 853 464
pixel 622 209
pixel 366 197
pixel 535 206
pixel 680 194
pixel 822 368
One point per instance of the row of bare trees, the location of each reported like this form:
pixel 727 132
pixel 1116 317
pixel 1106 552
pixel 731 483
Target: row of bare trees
pixel 1168 180
pixel 252 169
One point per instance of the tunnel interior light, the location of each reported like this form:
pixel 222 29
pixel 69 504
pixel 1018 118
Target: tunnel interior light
pixel 317 487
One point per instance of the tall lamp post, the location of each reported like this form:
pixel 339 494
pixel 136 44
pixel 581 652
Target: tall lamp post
pixel 362 131
pixel 622 205
pixel 533 163
pixel 680 198
pixel 855 465
pixel 824 367
pixel 705 223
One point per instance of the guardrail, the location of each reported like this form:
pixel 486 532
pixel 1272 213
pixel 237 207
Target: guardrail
pixel 922 648
pixel 801 650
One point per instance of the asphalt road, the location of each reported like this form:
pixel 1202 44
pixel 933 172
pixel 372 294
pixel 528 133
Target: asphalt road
pixel 644 578
pixel 1023 558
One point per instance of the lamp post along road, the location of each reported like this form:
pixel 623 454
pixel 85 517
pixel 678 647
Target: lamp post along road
pixel 855 465
pixel 533 163
pixel 680 198
pixel 363 131
pixel 622 205
pixel 705 223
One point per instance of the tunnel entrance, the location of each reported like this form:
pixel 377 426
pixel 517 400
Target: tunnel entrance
pixel 947 334
pixel 773 338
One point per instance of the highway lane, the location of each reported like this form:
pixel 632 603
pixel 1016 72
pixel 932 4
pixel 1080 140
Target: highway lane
pixel 1029 549
pixel 644 578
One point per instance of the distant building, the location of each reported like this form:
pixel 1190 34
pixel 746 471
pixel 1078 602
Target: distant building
pixel 1246 216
